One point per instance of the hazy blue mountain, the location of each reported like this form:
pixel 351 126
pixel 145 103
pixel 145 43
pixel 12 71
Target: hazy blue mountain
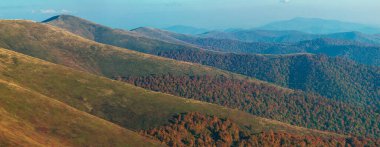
pixel 186 29
pixel 260 35
pixel 353 45
pixel 290 36
pixel 355 36
pixel 319 26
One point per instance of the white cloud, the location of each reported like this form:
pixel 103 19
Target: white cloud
pixel 52 11
pixel 48 11
pixel 64 11
pixel 285 1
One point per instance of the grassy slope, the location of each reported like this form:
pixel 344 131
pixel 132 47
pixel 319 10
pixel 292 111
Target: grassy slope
pixel 62 47
pixel 103 34
pixel 28 118
pixel 333 78
pixel 31 119
pixel 45 42
pixel 58 46
pixel 126 105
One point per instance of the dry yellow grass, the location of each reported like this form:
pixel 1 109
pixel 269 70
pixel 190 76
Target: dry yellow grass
pixel 28 118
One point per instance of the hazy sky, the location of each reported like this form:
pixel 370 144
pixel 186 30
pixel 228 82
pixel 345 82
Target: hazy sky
pixel 198 13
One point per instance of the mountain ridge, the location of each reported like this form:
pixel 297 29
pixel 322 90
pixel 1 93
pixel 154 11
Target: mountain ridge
pixel 332 70
pixel 352 45
pixel 319 26
pixel 186 29
pixel 178 50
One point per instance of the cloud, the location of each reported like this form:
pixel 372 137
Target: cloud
pixel 48 11
pixel 52 11
pixel 64 11
pixel 285 1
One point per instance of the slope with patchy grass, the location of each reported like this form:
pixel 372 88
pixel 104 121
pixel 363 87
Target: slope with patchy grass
pixel 131 107
pixel 44 42
pixel 29 118
pixel 58 46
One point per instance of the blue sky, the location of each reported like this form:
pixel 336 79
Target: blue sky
pixel 213 14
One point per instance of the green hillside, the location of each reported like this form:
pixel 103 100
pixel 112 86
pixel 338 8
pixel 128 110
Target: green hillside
pixel 129 106
pixel 44 42
pixel 103 34
pixel 58 46
pixel 29 118
pixel 327 76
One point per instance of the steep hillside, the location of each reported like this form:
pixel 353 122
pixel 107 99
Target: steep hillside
pixel 131 107
pixel 58 46
pixel 29 118
pixel 335 78
pixel 103 34
pixel 361 53
pixel 195 129
pixel 294 107
pixel 164 36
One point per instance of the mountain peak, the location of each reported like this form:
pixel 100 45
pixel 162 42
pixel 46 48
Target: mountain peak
pixel 63 17
pixel 57 17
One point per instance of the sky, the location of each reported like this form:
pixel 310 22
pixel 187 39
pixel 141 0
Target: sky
pixel 210 14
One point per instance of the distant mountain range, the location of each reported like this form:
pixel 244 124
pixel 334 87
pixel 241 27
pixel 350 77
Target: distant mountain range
pixel 319 26
pixel 290 36
pixel 357 46
pixel 292 26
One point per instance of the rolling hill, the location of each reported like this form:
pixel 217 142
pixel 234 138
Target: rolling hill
pixel 112 62
pixel 29 118
pixel 330 77
pixel 58 46
pixel 352 45
pixel 359 47
pixel 193 129
pixel 334 77
pixel 128 106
